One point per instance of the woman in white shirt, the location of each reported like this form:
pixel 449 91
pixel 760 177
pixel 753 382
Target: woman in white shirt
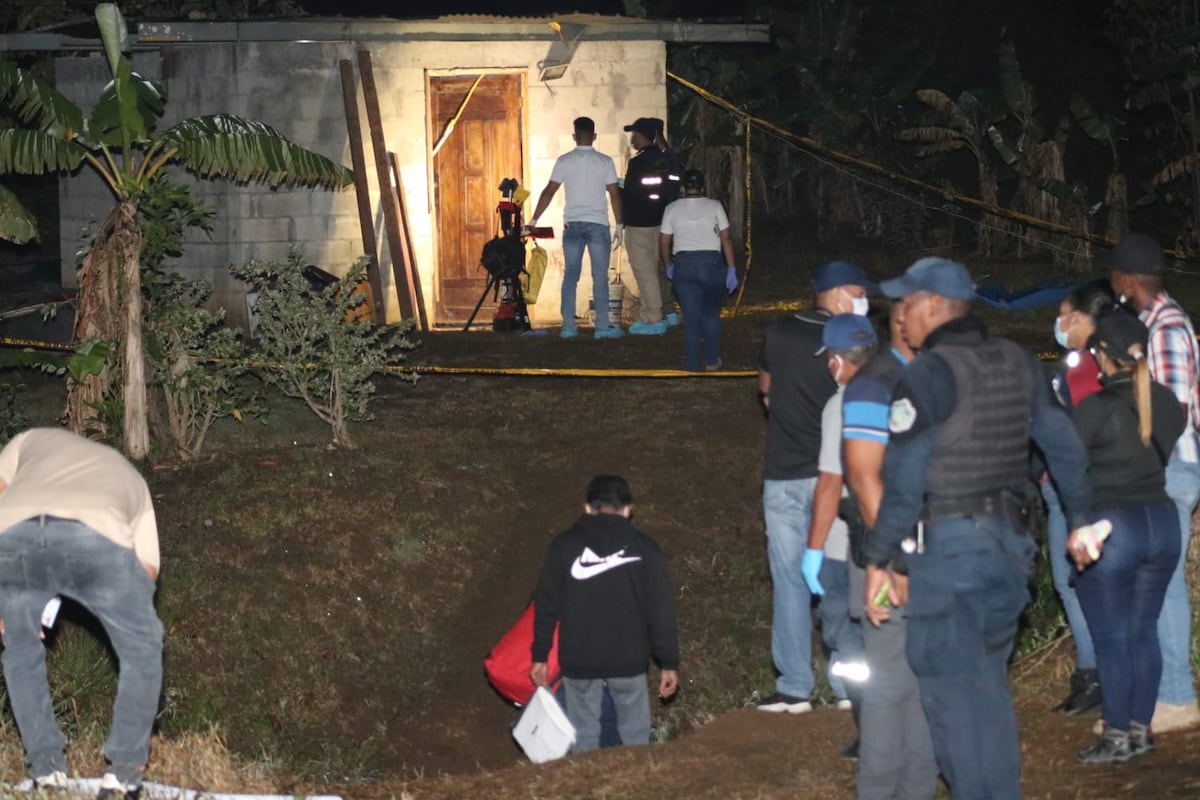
pixel 696 247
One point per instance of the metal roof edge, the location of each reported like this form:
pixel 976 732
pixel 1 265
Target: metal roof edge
pixel 151 35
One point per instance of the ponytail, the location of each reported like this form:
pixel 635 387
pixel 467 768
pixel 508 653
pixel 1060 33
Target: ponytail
pixel 1141 394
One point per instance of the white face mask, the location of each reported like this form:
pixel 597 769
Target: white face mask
pixel 858 305
pixel 1060 333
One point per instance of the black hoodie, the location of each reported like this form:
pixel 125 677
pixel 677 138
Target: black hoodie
pixel 606 583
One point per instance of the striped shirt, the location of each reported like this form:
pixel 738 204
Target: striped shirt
pixel 1174 363
pixel 868 398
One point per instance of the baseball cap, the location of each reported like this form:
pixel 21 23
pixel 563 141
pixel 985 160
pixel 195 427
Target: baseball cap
pixel 1118 331
pixel 939 276
pixel 846 332
pixel 645 126
pixel 840 273
pixel 1136 253
pixel 693 179
pixel 584 125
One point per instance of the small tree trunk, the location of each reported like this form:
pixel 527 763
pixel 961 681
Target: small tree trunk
pixel 1116 197
pixel 137 427
pixel 987 193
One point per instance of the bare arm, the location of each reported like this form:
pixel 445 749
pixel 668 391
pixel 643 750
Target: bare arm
pixel 824 508
pixel 665 241
pixel 544 201
pixel 764 388
pixel 727 248
pixel 614 196
pixel 864 475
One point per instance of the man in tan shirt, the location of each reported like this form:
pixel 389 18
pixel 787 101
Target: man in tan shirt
pixel 76 520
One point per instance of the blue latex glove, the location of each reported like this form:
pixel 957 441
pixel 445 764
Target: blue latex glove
pixel 670 272
pixel 730 279
pixel 810 568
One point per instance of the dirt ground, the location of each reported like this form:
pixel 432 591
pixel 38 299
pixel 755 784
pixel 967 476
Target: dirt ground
pixel 331 610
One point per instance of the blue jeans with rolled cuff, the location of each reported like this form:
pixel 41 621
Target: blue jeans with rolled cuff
pixel 44 557
pixel 787 508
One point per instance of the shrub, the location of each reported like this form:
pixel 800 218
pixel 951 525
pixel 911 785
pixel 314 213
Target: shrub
pixel 196 361
pixel 12 415
pixel 312 344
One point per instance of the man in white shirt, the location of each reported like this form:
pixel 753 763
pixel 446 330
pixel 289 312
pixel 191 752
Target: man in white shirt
pixel 588 176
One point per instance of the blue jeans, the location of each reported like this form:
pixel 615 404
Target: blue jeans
pixel 1062 569
pixel 630 698
pixel 44 557
pixel 966 593
pixel 787 508
pixel 1122 595
pixel 700 289
pixel 595 237
pixel 1175 621
pixel 841 634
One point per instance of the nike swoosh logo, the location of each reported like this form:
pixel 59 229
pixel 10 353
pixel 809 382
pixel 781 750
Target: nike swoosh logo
pixel 589 565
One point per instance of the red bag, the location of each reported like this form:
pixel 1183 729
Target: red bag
pixel 508 665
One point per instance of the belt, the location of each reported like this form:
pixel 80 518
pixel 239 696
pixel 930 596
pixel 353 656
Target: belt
pixel 1013 505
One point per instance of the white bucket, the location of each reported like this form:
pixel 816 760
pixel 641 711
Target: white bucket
pixel 543 731
pixel 616 294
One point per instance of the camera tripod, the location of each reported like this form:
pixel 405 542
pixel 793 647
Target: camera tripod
pixel 504 259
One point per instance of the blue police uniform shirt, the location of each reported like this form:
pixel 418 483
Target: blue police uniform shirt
pixel 925 398
pixel 865 404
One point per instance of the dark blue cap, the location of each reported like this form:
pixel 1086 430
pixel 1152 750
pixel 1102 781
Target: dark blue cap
pixel 840 273
pixel 939 276
pixel 1136 253
pixel 846 332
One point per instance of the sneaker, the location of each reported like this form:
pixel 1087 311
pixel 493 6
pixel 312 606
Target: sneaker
pixel 671 319
pixel 1140 738
pixel 1168 717
pixel 780 703
pixel 713 367
pixel 1085 693
pixel 568 333
pixel 55 780
pixel 844 705
pixel 648 328
pixel 113 789
pixel 1111 747
pixel 609 333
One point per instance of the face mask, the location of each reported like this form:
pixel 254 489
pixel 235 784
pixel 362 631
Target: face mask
pixel 858 305
pixel 1060 334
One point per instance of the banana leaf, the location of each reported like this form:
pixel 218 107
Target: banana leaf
pixel 37 103
pixel 17 225
pixel 129 102
pixel 1012 157
pixel 113 33
pixel 950 110
pixel 226 146
pixel 1176 169
pixel 1017 91
pixel 35 153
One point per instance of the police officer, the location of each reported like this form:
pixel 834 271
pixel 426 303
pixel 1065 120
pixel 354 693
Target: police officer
pixel 955 480
pixel 651 184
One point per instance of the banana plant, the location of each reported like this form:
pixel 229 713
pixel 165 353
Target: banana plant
pixel 962 124
pixel 118 141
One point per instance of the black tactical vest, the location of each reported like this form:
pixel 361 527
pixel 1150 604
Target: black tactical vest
pixel 984 446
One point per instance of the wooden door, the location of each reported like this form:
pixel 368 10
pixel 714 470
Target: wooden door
pixel 483 149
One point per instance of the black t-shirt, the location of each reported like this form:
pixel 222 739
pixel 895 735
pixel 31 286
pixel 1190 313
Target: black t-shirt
pixel 800 387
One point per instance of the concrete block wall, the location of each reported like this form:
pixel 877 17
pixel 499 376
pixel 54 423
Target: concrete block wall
pixel 296 88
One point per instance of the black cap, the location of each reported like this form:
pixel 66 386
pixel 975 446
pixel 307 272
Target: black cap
pixel 646 126
pixel 584 125
pixel 693 179
pixel 1136 253
pixel 1117 333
